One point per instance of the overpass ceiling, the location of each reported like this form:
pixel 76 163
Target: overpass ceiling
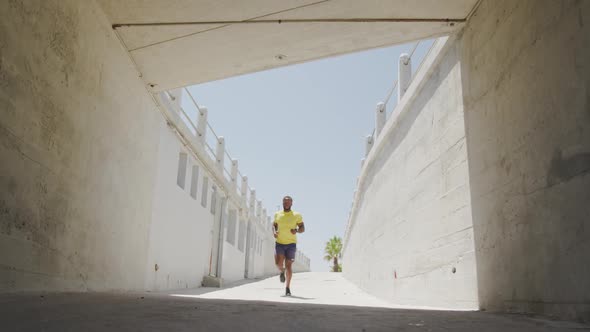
pixel 182 42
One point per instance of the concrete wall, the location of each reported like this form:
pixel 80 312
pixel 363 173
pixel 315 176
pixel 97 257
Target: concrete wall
pixel 527 113
pixel 181 228
pixel 90 199
pixel 79 142
pixel 410 238
pixel 518 74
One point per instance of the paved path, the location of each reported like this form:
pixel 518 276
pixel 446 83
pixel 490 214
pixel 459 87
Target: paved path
pixel 308 288
pixel 322 302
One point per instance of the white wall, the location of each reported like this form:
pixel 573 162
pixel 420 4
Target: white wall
pixel 181 230
pixel 234 259
pixel 411 235
pixel 269 267
pixel 264 236
pixel 233 263
pixel 79 141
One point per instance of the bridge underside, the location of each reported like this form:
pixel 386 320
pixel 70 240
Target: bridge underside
pixel 187 42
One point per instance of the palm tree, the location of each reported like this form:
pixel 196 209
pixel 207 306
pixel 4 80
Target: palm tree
pixel 333 251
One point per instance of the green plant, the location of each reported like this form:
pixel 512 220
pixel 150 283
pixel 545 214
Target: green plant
pixel 333 252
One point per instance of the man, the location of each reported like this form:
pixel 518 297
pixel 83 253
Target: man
pixel 286 225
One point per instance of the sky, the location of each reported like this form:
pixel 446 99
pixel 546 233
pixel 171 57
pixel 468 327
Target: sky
pixel 300 130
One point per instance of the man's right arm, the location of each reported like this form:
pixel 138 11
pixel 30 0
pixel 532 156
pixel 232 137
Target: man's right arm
pixel 275 229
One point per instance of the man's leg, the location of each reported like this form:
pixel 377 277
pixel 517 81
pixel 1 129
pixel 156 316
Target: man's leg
pixel 277 262
pixel 280 260
pixel 280 257
pixel 290 258
pixel 289 273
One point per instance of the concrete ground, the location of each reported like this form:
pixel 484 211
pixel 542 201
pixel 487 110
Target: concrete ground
pixel 321 302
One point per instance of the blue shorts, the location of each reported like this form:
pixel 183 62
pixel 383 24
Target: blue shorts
pixel 287 250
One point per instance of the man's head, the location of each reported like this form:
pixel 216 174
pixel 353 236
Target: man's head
pixel 287 203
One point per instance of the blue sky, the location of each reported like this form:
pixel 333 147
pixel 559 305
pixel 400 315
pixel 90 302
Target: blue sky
pixel 300 130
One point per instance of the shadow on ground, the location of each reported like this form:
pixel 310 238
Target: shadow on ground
pixel 207 290
pixel 160 312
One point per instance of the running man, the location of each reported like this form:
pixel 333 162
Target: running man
pixel 285 228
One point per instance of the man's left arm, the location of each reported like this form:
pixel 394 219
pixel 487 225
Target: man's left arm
pixel 300 226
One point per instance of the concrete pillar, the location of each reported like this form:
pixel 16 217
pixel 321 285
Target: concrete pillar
pixel 264 216
pixel 234 175
pixel 404 75
pixel 202 124
pixel 247 249
pixel 221 215
pixel 258 208
pixel 252 202
pixel 220 152
pixel 244 190
pixel 380 117
pixel 368 144
pixel 176 97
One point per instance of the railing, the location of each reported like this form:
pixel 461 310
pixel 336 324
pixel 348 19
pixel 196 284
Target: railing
pixel 393 91
pixel 390 107
pixel 190 113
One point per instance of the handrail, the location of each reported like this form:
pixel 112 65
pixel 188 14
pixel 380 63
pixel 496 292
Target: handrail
pixel 193 99
pixel 210 149
pixel 421 62
pixel 226 173
pixel 392 90
pixel 184 113
pixel 241 176
pixel 389 94
pixel 212 152
pixel 213 132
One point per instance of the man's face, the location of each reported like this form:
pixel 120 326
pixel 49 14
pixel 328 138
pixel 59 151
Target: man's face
pixel 287 202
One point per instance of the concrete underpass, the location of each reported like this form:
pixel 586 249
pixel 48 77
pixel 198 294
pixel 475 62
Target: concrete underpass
pixel 119 211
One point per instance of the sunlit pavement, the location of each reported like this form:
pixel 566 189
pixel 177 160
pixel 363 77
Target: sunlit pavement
pixel 320 302
pixel 309 288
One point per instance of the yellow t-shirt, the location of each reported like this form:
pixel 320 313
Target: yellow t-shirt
pixel 285 222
